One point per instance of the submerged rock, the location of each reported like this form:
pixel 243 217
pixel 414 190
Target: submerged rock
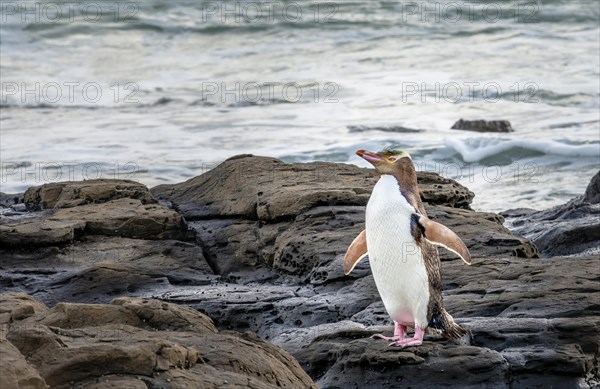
pixel 483 126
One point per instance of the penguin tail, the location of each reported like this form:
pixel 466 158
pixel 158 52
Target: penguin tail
pixel 449 328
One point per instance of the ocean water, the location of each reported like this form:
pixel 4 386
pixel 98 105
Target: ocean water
pixel 160 91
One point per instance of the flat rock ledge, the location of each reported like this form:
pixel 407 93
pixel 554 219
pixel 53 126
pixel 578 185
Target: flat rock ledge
pixel 108 275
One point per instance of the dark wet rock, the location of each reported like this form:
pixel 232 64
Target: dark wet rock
pixel 99 268
pixel 568 229
pixel 512 287
pixel 338 360
pixel 539 354
pixel 391 128
pixel 138 342
pixel 592 192
pixel 272 310
pixel 264 252
pixel 11 199
pixel 483 126
pixel 547 307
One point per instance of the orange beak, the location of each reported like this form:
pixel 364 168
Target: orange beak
pixel 373 158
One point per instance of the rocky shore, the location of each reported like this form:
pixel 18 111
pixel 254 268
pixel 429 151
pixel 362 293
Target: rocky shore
pixel 234 279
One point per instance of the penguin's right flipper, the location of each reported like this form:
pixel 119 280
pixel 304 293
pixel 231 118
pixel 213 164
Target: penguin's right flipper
pixel 356 252
pixel 440 235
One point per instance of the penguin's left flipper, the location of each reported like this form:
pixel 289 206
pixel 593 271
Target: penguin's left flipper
pixel 356 252
pixel 440 235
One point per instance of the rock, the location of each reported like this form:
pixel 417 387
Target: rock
pixel 483 126
pixel 18 306
pixel 17 373
pixel 15 370
pixel 39 231
pixel 99 268
pixel 592 192
pixel 9 200
pixel 508 303
pixel 482 232
pixel 74 193
pixel 437 190
pixel 256 212
pixel 339 360
pixel 137 341
pixel 268 190
pixel 512 287
pixel 568 229
pixel 137 216
pixel 264 254
pixel 538 353
pixel 127 218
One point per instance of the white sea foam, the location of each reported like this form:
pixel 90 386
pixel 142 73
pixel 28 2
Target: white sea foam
pixel 477 149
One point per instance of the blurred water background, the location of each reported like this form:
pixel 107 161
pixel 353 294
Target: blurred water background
pixel 160 91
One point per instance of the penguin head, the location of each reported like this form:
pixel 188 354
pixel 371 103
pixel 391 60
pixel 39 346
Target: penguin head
pixel 388 161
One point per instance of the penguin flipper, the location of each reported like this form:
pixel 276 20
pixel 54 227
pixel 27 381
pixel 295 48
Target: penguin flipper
pixel 356 252
pixel 440 235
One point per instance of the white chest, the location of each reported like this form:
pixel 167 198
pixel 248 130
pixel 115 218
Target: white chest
pixel 396 259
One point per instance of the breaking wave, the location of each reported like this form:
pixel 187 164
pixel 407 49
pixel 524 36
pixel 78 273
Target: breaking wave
pixel 477 149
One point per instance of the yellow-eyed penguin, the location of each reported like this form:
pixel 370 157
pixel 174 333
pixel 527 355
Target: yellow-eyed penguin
pixel 399 239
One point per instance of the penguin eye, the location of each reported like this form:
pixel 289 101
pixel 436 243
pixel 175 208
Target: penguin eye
pixel 392 159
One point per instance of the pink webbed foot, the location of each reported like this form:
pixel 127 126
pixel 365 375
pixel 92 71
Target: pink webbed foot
pixel 417 340
pixel 399 334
